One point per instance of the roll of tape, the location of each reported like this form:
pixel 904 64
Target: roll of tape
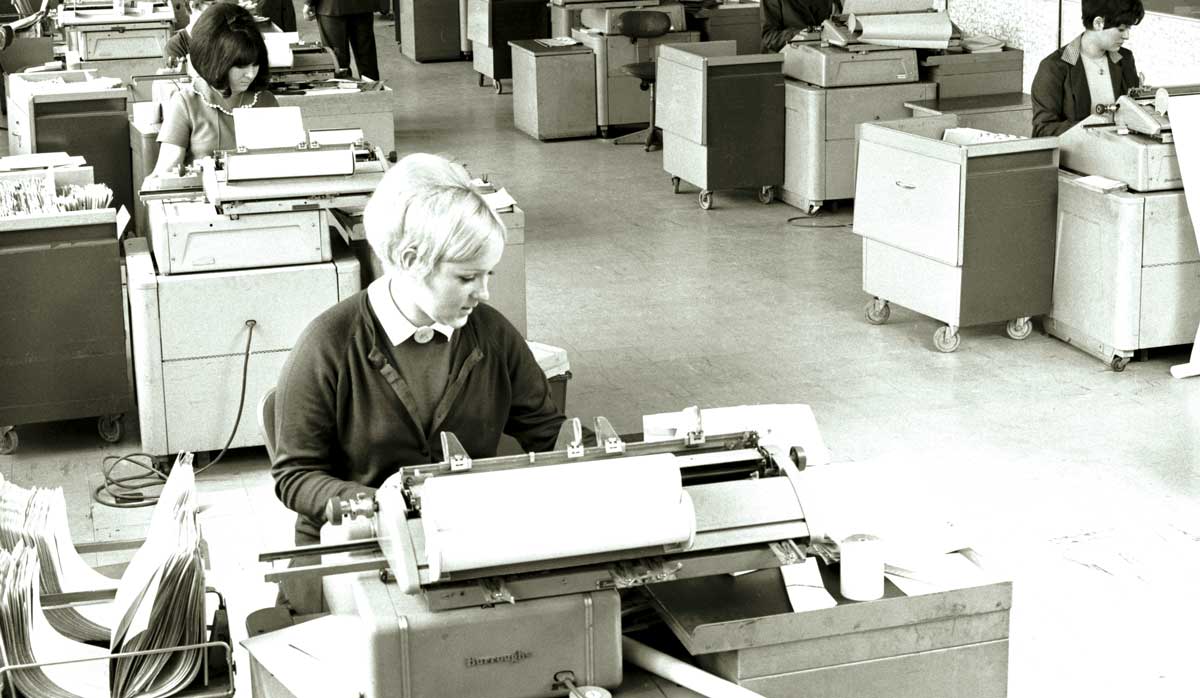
pixel 861 567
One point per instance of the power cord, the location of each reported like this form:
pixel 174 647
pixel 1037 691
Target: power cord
pixel 130 491
pixel 792 222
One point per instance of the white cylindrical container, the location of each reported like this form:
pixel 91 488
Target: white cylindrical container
pixel 862 567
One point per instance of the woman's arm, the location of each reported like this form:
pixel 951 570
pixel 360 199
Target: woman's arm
pixel 175 136
pixel 1046 94
pixel 533 418
pixel 774 34
pixel 306 426
pixel 170 157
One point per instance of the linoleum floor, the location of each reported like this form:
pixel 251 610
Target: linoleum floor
pixel 1083 483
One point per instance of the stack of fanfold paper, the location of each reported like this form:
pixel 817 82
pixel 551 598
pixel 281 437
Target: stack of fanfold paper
pixel 159 600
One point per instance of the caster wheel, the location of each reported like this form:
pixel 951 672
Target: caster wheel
pixel 878 312
pixel 813 209
pixel 1020 328
pixel 1119 363
pixel 604 132
pixel 499 85
pixel 946 339
pixel 481 79
pixel 675 185
pixel 8 441
pixel 111 428
pixel 766 194
pixel 706 199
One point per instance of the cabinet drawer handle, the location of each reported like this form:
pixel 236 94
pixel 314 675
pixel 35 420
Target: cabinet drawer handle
pixel 902 185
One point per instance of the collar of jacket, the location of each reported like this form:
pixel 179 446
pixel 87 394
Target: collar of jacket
pixel 1071 52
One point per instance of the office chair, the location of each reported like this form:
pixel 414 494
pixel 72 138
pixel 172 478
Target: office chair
pixel 643 24
pixel 266 422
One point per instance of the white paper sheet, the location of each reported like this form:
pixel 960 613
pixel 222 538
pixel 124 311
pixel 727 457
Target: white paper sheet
pixel 863 7
pixel 1184 111
pixel 279 48
pixel 274 127
pixel 777 425
pixel 507 517
pixel 930 30
pixel 805 588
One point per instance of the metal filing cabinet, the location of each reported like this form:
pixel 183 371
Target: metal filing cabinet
pixel 819 146
pixel 960 233
pixel 620 100
pixel 554 90
pixel 722 118
pixel 76 118
pixel 63 352
pixel 428 30
pixel 1127 276
pixel 492 24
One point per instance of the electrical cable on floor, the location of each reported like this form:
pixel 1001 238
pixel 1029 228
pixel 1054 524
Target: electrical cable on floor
pixel 792 222
pixel 130 491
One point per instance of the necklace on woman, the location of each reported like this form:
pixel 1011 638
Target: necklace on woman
pixel 220 108
pixel 1100 64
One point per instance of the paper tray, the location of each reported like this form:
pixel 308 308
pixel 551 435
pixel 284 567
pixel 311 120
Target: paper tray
pixel 722 613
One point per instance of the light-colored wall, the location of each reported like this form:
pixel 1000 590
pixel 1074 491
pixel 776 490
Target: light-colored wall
pixel 1167 47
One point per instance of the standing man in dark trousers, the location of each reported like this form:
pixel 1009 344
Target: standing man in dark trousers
pixel 346 25
pixel 781 19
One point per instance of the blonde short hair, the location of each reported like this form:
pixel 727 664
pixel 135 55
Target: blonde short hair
pixel 427 204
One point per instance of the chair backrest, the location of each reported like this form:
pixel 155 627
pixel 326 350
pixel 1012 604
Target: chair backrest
pixel 266 422
pixel 643 24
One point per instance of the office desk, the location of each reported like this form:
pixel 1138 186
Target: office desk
pixel 371 111
pixel 1010 112
pixel 1126 273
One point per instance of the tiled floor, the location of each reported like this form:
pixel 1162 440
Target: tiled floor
pixel 1085 482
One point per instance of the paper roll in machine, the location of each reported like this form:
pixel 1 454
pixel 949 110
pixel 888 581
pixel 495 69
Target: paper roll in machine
pixel 500 576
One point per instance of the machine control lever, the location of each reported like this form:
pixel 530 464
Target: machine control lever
pixel 495 591
pixel 566 679
pixel 454 454
pixel 362 505
pixel 606 437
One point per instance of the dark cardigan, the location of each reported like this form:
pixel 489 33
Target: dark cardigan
pixel 1060 93
pixel 781 19
pixel 340 407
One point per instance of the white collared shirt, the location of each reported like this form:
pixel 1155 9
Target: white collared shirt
pixel 397 327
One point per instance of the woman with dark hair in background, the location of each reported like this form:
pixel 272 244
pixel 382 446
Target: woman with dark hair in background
pixel 230 60
pixel 1093 69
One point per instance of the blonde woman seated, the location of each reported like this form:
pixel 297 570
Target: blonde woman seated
pixel 373 381
pixel 230 59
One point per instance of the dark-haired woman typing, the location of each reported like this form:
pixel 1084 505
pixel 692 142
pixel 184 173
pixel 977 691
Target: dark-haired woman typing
pixel 230 59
